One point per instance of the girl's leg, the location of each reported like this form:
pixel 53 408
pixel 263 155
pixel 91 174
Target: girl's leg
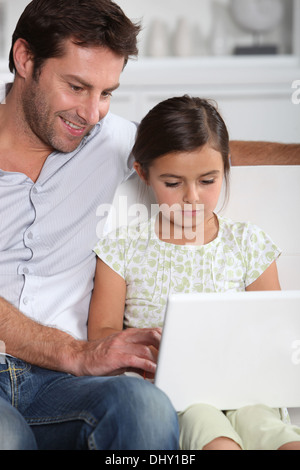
pixel 222 443
pixel 204 427
pixel 290 446
pixel 262 428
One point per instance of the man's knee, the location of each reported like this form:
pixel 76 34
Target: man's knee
pixel 144 416
pixel 143 399
pixel 15 434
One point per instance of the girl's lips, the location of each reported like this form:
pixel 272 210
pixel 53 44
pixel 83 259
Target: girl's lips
pixel 193 213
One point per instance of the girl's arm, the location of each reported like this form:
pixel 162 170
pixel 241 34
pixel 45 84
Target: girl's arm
pixel 107 303
pixel 268 280
pixel 107 309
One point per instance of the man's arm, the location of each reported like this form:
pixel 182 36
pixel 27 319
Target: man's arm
pixel 53 349
pixel 264 153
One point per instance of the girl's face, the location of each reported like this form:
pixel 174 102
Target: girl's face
pixel 188 182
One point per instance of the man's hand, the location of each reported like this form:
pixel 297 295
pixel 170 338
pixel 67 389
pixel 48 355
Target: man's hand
pixel 131 349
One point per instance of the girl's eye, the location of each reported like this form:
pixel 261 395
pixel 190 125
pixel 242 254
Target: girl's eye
pixel 208 181
pixel 171 185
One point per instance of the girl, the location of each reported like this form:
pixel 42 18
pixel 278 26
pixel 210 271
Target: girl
pixel 182 153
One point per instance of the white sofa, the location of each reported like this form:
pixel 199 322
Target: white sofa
pixel 268 196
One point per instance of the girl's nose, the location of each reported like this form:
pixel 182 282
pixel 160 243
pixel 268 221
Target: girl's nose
pixel 191 195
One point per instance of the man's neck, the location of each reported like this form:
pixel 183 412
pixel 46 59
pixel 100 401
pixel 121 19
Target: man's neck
pixel 17 153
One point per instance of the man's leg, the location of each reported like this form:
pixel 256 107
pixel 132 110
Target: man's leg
pixel 104 413
pixel 15 434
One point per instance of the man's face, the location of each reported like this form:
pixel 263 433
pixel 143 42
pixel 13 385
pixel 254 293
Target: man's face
pixel 71 94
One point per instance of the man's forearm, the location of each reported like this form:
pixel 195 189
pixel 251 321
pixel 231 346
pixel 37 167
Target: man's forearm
pixel 34 343
pixel 53 349
pixel 264 153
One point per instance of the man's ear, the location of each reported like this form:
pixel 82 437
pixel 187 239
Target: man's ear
pixel 138 168
pixel 23 58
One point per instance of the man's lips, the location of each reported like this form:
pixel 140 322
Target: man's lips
pixel 74 129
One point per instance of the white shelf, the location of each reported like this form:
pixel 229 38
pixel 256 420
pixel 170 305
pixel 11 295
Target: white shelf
pixel 211 70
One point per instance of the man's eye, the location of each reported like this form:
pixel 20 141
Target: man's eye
pixel 106 94
pixel 75 88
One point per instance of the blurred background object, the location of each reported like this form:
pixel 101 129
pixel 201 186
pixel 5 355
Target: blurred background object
pixel 258 17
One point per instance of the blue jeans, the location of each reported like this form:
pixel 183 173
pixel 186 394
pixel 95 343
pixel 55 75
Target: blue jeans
pixel 53 410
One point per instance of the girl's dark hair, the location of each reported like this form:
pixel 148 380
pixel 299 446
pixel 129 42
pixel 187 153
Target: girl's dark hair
pixel 47 24
pixel 181 124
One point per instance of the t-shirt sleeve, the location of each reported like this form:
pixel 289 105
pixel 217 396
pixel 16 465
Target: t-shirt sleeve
pixel 260 252
pixel 111 249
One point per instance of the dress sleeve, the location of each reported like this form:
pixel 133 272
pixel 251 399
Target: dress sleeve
pixel 111 249
pixel 260 252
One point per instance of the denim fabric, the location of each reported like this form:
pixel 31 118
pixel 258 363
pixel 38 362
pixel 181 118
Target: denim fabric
pixel 100 413
pixel 15 434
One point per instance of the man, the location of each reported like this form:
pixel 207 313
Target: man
pixel 61 156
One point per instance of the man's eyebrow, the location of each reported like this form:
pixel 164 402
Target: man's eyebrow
pixel 113 88
pixel 75 78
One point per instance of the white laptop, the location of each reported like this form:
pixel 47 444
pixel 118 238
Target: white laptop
pixel 231 350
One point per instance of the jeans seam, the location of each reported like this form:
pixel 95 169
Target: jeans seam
pixel 87 418
pixel 15 373
pixel 14 387
pixel 92 443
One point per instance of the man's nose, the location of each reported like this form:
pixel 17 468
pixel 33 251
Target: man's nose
pixel 93 110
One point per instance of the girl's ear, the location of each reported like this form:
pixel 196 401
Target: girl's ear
pixel 138 168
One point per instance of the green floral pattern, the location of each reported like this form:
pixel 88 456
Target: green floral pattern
pixel 154 269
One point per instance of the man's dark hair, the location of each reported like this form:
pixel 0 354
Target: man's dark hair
pixel 46 24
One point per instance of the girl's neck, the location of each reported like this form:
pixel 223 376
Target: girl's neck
pixel 176 235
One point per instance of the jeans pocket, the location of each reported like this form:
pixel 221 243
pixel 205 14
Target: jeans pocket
pixel 16 366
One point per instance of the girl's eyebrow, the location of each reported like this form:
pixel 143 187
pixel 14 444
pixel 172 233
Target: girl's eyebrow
pixel 209 173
